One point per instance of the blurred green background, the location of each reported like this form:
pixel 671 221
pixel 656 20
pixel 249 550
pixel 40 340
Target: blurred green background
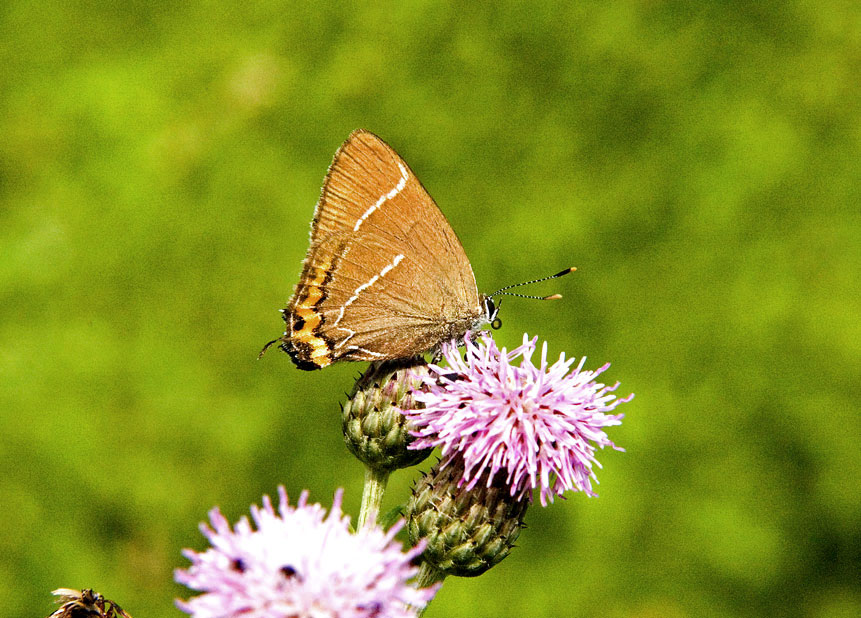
pixel 697 161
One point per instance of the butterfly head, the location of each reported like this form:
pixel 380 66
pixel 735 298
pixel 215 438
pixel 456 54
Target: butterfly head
pixel 491 312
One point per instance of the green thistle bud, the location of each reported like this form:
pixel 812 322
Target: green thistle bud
pixel 374 429
pixel 467 531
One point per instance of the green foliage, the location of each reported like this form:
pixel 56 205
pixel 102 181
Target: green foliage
pixel 698 162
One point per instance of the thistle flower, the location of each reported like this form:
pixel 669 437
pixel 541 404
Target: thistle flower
pixel 538 424
pixel 299 563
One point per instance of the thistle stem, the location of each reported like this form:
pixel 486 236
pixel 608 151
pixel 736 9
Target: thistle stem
pixel 372 494
pixel 428 576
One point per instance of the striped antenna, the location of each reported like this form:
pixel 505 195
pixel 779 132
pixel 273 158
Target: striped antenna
pixel 502 291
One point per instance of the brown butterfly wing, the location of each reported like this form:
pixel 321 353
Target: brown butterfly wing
pixel 385 276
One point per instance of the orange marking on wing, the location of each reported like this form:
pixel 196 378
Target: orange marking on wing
pixel 305 308
pixel 312 296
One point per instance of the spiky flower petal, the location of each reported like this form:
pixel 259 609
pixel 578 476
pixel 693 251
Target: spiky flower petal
pixel 539 424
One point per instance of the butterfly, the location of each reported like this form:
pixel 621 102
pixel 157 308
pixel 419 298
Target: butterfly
pixel 385 276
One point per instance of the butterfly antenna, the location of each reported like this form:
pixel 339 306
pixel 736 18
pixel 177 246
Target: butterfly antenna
pixel 502 291
pixel 551 297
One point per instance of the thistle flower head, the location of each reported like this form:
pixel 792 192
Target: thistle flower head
pixel 300 563
pixel 539 424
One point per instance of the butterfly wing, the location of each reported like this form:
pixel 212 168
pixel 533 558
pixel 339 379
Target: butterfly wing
pixel 385 275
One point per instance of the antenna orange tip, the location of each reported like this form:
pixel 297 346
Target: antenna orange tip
pixel 553 297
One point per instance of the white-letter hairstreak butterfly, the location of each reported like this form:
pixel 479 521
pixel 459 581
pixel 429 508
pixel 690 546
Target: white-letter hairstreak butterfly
pixel 385 276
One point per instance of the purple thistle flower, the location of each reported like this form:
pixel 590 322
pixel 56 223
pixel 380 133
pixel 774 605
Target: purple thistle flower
pixel 537 424
pixel 300 563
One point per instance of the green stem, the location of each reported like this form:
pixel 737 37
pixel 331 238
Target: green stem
pixel 427 576
pixel 372 495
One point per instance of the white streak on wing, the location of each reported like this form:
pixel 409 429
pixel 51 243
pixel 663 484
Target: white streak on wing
pixel 347 338
pixel 394 263
pixel 391 194
pixel 366 351
pixel 365 286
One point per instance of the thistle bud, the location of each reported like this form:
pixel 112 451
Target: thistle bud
pixel 467 531
pixel 375 430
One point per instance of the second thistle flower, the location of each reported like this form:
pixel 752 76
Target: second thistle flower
pixel 299 561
